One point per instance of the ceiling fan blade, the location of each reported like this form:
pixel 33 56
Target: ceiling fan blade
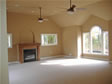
pixel 45 19
pixel 80 8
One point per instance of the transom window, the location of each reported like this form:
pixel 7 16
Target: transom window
pixel 48 39
pixel 95 41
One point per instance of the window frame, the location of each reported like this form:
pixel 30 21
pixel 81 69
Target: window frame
pixel 54 44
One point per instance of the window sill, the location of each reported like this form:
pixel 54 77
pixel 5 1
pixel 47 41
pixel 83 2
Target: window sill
pixel 95 54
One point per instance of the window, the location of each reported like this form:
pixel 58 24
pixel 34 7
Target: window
pixel 96 41
pixel 86 42
pixel 48 39
pixel 106 45
pixel 9 40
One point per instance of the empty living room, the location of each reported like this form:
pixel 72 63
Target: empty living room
pixel 55 41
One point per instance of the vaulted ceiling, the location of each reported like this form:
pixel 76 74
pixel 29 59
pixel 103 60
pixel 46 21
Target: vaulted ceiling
pixel 56 9
pixel 100 9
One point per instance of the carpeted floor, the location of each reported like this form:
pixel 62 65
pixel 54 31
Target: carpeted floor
pixel 61 71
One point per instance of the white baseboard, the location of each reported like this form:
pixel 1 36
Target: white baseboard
pixel 58 56
pixel 50 57
pixel 14 62
pixel 46 57
pixel 95 58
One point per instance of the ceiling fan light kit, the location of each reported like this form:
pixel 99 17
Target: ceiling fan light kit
pixel 72 8
pixel 40 20
pixel 70 12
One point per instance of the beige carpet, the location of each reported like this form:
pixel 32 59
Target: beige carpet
pixel 61 71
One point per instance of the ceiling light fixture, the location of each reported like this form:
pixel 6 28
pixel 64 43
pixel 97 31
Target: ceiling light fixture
pixel 72 8
pixel 40 19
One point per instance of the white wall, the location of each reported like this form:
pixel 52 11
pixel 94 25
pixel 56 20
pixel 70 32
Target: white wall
pixel 69 37
pixel 3 44
pixel 21 25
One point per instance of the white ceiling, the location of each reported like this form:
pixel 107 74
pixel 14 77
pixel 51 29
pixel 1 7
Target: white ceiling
pixel 56 9
pixel 50 7
pixel 99 9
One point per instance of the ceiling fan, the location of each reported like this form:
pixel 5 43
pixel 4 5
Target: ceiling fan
pixel 73 8
pixel 40 19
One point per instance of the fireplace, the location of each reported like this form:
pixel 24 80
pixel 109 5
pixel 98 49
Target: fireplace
pixel 29 52
pixel 29 55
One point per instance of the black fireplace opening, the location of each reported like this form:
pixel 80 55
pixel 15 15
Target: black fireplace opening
pixel 29 55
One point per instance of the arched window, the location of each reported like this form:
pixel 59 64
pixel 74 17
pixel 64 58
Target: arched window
pixel 96 40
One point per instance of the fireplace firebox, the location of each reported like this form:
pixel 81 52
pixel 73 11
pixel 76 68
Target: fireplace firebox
pixel 29 55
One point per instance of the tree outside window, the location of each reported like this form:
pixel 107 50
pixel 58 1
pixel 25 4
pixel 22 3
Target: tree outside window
pixel 48 39
pixel 106 43
pixel 86 42
pixel 96 37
